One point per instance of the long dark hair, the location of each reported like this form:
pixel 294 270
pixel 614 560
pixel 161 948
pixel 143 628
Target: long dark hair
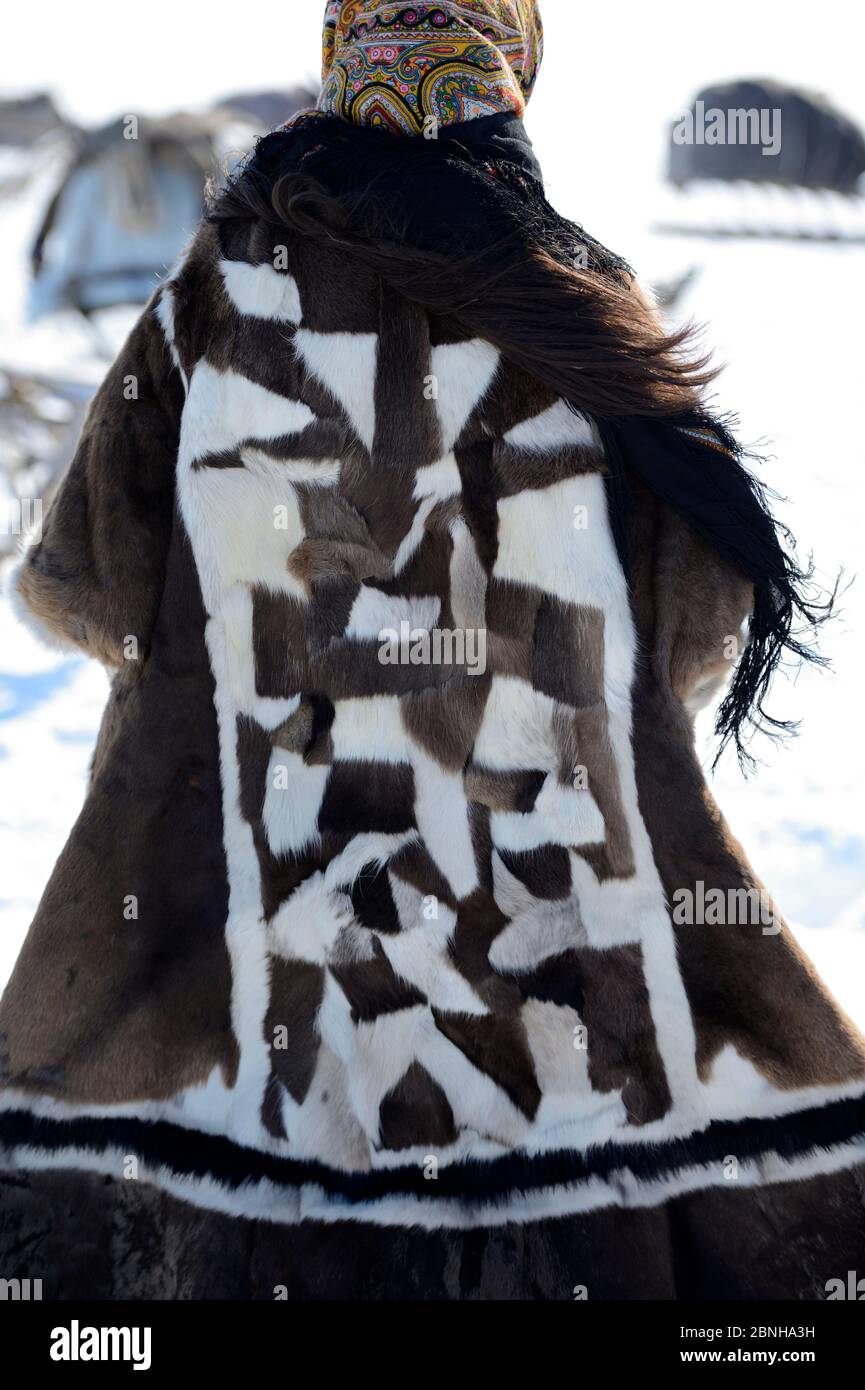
pixel 480 243
pixel 468 234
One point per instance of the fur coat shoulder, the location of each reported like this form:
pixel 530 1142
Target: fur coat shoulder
pixel 398 897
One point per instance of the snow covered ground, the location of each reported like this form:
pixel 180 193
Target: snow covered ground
pixel 786 317
pixel 49 713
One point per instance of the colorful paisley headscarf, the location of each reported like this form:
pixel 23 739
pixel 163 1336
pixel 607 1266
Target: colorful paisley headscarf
pixel 412 68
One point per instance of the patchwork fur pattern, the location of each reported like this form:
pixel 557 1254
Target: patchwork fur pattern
pixel 436 932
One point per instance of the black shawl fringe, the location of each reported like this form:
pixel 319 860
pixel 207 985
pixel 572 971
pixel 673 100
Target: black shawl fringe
pixel 695 464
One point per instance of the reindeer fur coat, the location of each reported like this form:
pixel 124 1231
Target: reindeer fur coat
pixel 398 905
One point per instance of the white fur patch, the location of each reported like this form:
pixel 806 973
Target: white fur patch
pixel 326 1122
pixel 324 472
pixel 372 847
pixel 439 480
pixel 557 427
pixel 414 535
pixel 464 373
pixel 468 581
pixel 308 923
pixel 224 409
pixel 247 527
pixel 373 611
pixel 421 957
pixel 164 311
pixel 261 291
pixel 244 932
pixel 519 832
pixel 517 728
pixel 345 363
pixel 571 813
pixel 442 817
pixel 292 802
pixel 369 727
pixel 538 928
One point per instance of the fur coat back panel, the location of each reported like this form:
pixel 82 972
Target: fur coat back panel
pixel 398 888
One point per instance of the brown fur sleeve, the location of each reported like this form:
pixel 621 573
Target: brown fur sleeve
pixel 701 605
pixel 94 578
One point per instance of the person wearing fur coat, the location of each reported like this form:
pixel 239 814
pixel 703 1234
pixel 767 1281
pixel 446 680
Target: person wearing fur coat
pixel 400 949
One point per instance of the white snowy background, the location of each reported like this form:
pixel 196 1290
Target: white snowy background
pixel 786 316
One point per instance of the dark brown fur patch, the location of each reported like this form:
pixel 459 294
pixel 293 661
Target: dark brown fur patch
pixel 372 900
pixel 740 983
pixel 296 992
pixel 512 613
pixel 96 576
pixel 103 1006
pixel 557 980
pixel 623 1051
pixel 503 791
pixel 584 742
pixel 498 1047
pixel 414 865
pixel 368 796
pixel 294 650
pixel 371 986
pixel 446 722
pixel 520 470
pixel 545 871
pixel 568 660
pixel 416 1111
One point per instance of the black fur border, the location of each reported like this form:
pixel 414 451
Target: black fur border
pixel 191 1153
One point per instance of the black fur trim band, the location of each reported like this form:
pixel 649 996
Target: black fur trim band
pixel 189 1153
